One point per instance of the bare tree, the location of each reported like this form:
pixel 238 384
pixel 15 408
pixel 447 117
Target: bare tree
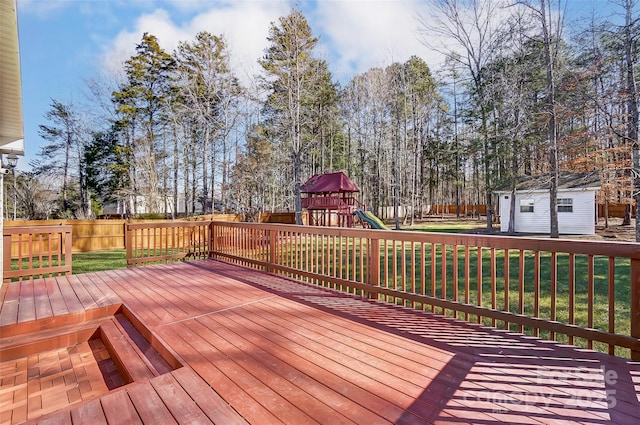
pixel 550 48
pixel 466 31
pixel 631 36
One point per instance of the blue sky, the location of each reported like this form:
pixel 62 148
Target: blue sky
pixel 63 42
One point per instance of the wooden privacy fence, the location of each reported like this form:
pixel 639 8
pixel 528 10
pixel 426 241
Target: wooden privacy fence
pixel 615 210
pixel 87 235
pixel 464 209
pixel 41 251
pixel 579 292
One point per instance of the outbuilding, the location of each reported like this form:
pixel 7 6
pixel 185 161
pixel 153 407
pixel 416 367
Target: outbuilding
pixel 576 204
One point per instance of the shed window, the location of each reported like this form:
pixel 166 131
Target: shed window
pixel 526 205
pixel 565 204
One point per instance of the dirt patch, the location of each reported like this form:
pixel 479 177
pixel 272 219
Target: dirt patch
pixel 616 231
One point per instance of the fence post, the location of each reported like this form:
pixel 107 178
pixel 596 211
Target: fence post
pixel 635 304
pixel 374 265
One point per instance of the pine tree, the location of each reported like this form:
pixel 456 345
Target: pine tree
pixel 141 103
pixel 209 92
pixel 290 68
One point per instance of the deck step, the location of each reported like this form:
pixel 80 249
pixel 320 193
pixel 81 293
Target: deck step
pixel 132 363
pixel 156 361
pixel 24 344
pixel 56 322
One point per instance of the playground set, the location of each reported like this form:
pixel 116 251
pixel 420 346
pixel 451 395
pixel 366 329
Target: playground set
pixel 329 199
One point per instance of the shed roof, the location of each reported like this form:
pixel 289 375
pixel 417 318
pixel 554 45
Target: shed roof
pixel 330 182
pixel 566 180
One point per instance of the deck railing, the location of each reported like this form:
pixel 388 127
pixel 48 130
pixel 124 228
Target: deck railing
pixel 579 292
pixel 36 251
pixel 151 243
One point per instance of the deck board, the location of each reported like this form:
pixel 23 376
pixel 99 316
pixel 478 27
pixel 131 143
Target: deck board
pixel 102 294
pixel 41 299
pixel 86 300
pixel 27 306
pixel 207 400
pixel 89 413
pixel 229 382
pixel 296 366
pixel 262 403
pixel 261 349
pixel 58 303
pixel 9 308
pixel 71 298
pixel 152 285
pixel 178 401
pixel 149 405
pixel 285 382
pixel 146 295
pixel 118 409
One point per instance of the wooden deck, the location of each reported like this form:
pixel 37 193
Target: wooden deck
pixel 209 342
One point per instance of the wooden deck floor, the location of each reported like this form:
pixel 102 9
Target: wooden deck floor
pixel 254 348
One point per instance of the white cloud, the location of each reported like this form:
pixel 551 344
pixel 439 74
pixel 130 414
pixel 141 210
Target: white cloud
pixel 158 23
pixel 371 33
pixel 354 35
pixel 244 24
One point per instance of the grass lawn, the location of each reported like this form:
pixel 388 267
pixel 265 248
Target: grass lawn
pixel 446 226
pixel 86 262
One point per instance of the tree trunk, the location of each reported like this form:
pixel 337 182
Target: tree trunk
pixel 512 212
pixel 296 179
pixel 205 169
pixel 487 170
pixel 176 166
pixel 551 111
pixel 626 221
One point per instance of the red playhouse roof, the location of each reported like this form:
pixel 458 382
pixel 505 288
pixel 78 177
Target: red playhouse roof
pixel 331 182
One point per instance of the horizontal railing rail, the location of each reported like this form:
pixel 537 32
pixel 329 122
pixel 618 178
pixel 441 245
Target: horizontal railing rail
pixel 36 251
pixel 578 292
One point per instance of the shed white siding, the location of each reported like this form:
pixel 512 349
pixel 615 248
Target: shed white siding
pixel 581 221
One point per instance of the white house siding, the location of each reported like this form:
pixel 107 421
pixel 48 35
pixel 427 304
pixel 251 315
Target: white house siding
pixel 579 222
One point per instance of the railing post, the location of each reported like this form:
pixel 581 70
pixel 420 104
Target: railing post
pixel 374 265
pixel 68 262
pixel 273 243
pixel 212 239
pixel 6 241
pixel 635 304
pixel 128 243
